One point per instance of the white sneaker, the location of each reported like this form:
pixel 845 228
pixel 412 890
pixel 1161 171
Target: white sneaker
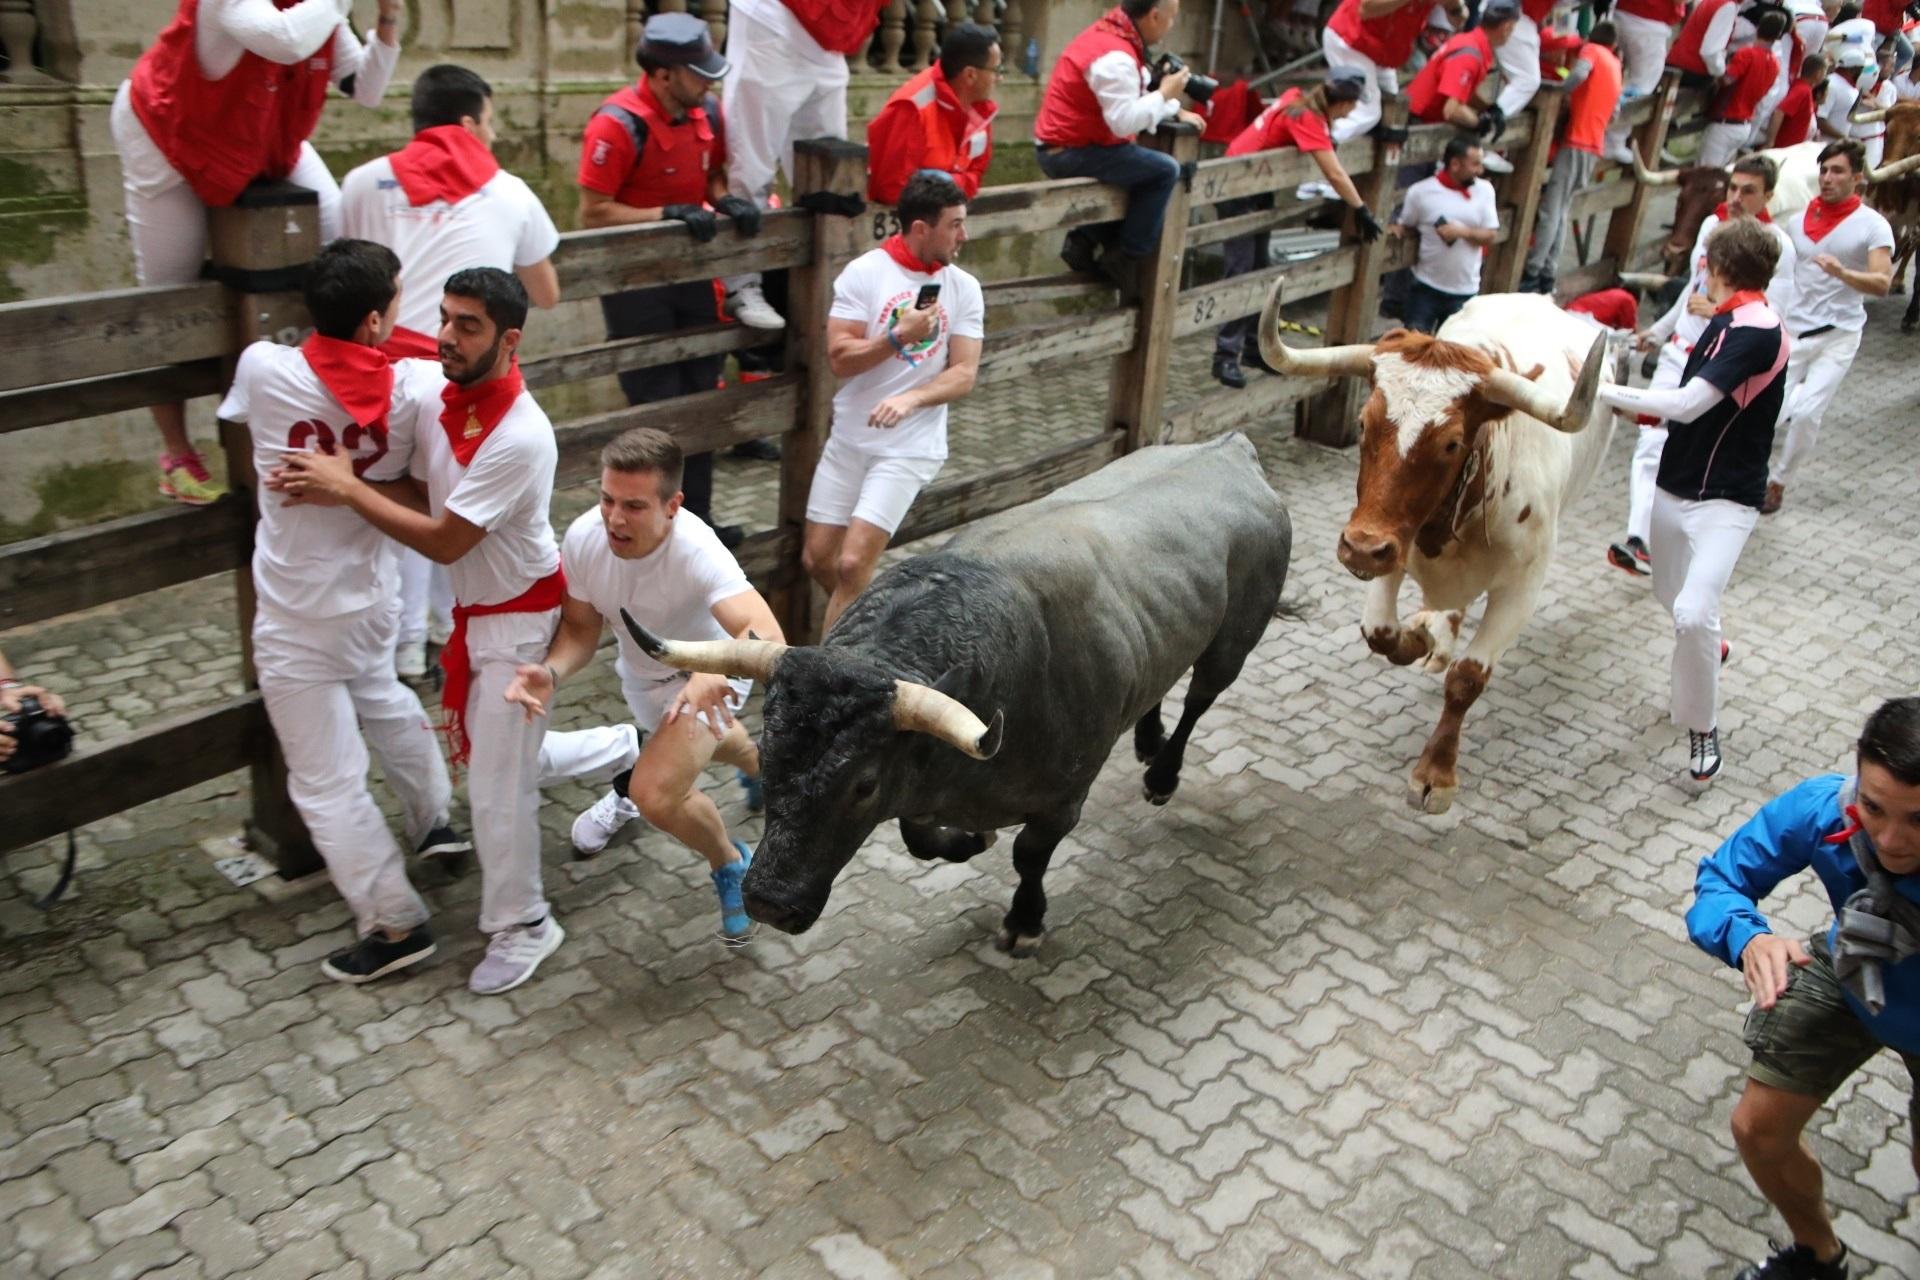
pixel 1703 752
pixel 1315 191
pixel 1494 162
pixel 439 629
pixel 750 307
pixel 596 826
pixel 410 659
pixel 512 956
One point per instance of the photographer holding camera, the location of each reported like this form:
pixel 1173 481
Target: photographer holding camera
pixel 33 724
pixel 1104 92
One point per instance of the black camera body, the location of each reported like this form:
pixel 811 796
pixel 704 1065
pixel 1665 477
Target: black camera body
pixel 39 737
pixel 1200 88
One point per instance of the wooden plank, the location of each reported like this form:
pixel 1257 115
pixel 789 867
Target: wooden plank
pixel 1266 405
pixel 770 558
pixel 1026 207
pixel 602 359
pixel 1070 340
pixel 1601 273
pixel 1205 233
pixel 90 335
pixel 99 780
pixel 610 259
pixel 1507 263
pixel 42 578
pixel 1138 396
pixel 1623 225
pixel 91 397
pixel 956 502
pixel 709 420
pixel 1211 306
pixel 1600 198
pixel 1231 177
pixel 1057 288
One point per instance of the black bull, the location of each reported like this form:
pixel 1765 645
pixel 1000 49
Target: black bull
pixel 1049 630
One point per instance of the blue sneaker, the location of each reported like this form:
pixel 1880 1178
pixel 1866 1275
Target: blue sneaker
pixel 736 927
pixel 756 798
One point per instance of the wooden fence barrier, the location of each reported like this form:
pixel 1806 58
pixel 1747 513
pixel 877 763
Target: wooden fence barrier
pixel 70 358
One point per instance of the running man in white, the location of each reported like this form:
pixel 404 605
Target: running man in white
pixel 904 337
pixel 1843 255
pixel 443 203
pixel 639 552
pixel 486 455
pixel 324 621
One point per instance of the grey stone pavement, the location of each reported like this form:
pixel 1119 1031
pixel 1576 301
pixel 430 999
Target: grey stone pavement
pixel 1283 1026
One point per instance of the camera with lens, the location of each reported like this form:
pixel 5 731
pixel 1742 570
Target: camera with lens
pixel 39 737
pixel 1200 88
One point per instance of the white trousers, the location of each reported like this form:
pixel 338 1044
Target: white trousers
pixel 1378 80
pixel 1519 60
pixel 426 597
pixel 1643 56
pixel 317 678
pixel 774 99
pixel 1720 142
pixel 503 774
pixel 165 219
pixel 1695 546
pixel 1643 472
pixel 1815 367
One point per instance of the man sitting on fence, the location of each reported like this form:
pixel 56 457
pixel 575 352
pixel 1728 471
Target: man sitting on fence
pixel 486 455
pixel 640 553
pixel 1594 82
pixel 1303 121
pixel 904 337
pixel 1096 102
pixel 1454 216
pixel 441 203
pixel 325 617
pixel 941 119
pixel 1444 90
pixel 1375 38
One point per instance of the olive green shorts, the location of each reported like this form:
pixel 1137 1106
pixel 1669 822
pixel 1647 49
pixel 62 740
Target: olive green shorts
pixel 1811 1040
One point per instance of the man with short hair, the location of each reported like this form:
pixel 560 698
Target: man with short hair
pixel 442 202
pixel 941 119
pixel 903 336
pixel 1792 120
pixel 1844 88
pixel 1881 94
pixel 1096 102
pixel 1821 1008
pixel 325 619
pixel 1453 215
pixel 1593 94
pixel 1843 255
pixel 1443 90
pixel 1750 72
pixel 641 554
pixel 1375 38
pixel 486 457
pixel 1700 48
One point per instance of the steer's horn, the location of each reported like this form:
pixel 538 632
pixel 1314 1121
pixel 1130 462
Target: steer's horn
pixel 1894 169
pixel 1355 361
pixel 752 659
pixel 918 708
pixel 1645 279
pixel 1503 386
pixel 1652 177
pixel 1875 116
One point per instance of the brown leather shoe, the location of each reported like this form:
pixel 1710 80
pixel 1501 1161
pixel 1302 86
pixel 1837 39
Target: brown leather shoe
pixel 1776 494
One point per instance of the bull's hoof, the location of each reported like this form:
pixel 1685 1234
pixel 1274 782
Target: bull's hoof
pixel 1907 323
pixel 1155 795
pixel 1018 945
pixel 1431 799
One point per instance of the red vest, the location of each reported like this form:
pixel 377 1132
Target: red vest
pixel 838 25
pixel 1070 113
pixel 222 134
pixel 1685 53
pixel 954 138
pixel 1590 106
pixel 1669 12
pixel 1386 42
pixel 672 161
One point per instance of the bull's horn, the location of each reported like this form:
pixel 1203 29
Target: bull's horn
pixel 752 659
pixel 917 708
pixel 1874 116
pixel 1652 177
pixel 1355 361
pixel 1895 169
pixel 1503 386
pixel 1644 279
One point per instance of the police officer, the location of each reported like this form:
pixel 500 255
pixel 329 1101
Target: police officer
pixel 657 151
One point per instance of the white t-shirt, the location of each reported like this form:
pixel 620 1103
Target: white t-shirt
pixel 670 591
pixel 502 225
pixel 873 289
pixel 1680 323
pixel 1837 106
pixel 308 561
pixel 1450 268
pixel 505 490
pixel 1819 298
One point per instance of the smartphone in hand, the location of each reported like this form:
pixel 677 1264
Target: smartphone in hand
pixel 929 294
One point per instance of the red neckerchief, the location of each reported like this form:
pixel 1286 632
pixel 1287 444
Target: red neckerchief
pixel 469 414
pixel 1823 217
pixel 1720 212
pixel 1117 21
pixel 360 378
pixel 896 247
pixel 1847 832
pixel 1447 182
pixel 457 663
pixel 443 163
pixel 1740 299
pixel 410 344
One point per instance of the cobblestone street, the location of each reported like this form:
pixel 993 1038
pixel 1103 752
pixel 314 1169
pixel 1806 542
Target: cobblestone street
pixel 1284 1026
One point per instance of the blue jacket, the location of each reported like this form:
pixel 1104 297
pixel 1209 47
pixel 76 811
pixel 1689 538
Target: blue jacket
pixel 1789 835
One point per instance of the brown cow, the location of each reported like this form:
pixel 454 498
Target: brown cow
pixel 1894 191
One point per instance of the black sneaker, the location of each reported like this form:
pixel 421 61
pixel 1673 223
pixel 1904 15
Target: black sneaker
pixel 444 847
pixel 1703 761
pixel 1640 551
pixel 1623 559
pixel 1079 252
pixel 1795 1262
pixel 1122 271
pixel 374 957
pixel 757 450
pixel 1226 371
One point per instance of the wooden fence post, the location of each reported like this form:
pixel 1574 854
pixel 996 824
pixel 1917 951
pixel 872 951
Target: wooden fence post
pixel 833 165
pixel 1137 401
pixel 1333 416
pixel 1623 226
pixel 1509 258
pixel 260 246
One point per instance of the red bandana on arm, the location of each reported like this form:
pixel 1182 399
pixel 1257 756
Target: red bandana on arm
pixel 443 163
pixel 896 247
pixel 1823 217
pixel 1720 212
pixel 360 378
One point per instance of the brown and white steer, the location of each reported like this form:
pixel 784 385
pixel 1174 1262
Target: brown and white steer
pixel 1472 443
pixel 1895 192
